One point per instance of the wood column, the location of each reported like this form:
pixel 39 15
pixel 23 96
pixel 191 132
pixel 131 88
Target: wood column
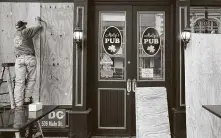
pixel 182 21
pixel 79 116
pixel 179 115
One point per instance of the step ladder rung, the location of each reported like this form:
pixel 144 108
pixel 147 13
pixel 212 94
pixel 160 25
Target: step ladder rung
pixel 8 64
pixel 5 68
pixel 4 93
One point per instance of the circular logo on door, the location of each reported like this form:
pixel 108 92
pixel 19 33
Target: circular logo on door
pixel 112 40
pixel 151 41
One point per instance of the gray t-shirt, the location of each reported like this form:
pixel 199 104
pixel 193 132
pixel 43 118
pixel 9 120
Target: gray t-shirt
pixel 23 40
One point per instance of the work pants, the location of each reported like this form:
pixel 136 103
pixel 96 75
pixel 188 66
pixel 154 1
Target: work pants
pixel 25 78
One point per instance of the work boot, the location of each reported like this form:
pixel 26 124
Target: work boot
pixel 28 101
pixel 19 117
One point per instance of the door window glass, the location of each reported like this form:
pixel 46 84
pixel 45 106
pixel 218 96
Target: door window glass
pixel 150 46
pixel 111 41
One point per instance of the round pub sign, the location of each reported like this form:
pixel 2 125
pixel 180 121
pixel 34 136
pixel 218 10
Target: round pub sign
pixel 112 40
pixel 151 41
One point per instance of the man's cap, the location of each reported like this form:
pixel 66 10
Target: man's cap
pixel 20 24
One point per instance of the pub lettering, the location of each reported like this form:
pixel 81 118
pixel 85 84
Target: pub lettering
pixel 112 40
pixel 151 41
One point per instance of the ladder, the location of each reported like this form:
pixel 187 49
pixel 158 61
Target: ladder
pixel 5 68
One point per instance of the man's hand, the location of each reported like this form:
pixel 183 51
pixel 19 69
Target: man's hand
pixel 38 18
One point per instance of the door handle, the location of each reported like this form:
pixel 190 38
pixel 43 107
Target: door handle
pixel 134 85
pixel 128 85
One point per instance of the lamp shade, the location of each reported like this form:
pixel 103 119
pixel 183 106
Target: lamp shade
pixel 78 34
pixel 185 35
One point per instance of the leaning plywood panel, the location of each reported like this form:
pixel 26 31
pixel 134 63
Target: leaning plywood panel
pixel 152 119
pixel 10 13
pixel 202 84
pixel 57 53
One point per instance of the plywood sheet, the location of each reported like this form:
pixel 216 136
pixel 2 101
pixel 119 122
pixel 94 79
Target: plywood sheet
pixel 152 119
pixel 57 53
pixel 10 13
pixel 202 84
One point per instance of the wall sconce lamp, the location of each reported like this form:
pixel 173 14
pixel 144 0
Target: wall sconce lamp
pixel 78 35
pixel 185 36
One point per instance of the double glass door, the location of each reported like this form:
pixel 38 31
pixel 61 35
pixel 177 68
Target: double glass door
pixel 130 43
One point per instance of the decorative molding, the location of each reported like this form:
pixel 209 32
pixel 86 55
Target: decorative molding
pixel 81 112
pixel 181 8
pixel 125 108
pixel 80 91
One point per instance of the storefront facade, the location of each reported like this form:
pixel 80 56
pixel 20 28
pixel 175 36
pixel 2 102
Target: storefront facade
pixel 114 74
pixel 126 44
pixel 111 99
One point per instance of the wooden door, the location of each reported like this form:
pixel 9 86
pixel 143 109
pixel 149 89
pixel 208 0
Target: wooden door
pixel 127 56
pixel 113 55
pixel 150 58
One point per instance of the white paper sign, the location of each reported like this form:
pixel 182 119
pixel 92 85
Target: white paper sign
pixel 147 73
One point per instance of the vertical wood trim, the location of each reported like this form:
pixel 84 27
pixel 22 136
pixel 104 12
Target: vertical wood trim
pixel 182 9
pixel 76 65
pixel 82 58
pixel 76 75
pixel 80 90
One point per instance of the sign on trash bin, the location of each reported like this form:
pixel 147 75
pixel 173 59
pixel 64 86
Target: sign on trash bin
pixel 55 119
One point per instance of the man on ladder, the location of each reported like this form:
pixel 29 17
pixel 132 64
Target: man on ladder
pixel 25 63
pixel 25 66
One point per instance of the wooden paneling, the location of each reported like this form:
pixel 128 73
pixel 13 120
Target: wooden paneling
pixel 83 120
pixel 55 45
pixel 9 15
pixel 57 53
pixel 202 81
pixel 111 107
pixel 179 123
